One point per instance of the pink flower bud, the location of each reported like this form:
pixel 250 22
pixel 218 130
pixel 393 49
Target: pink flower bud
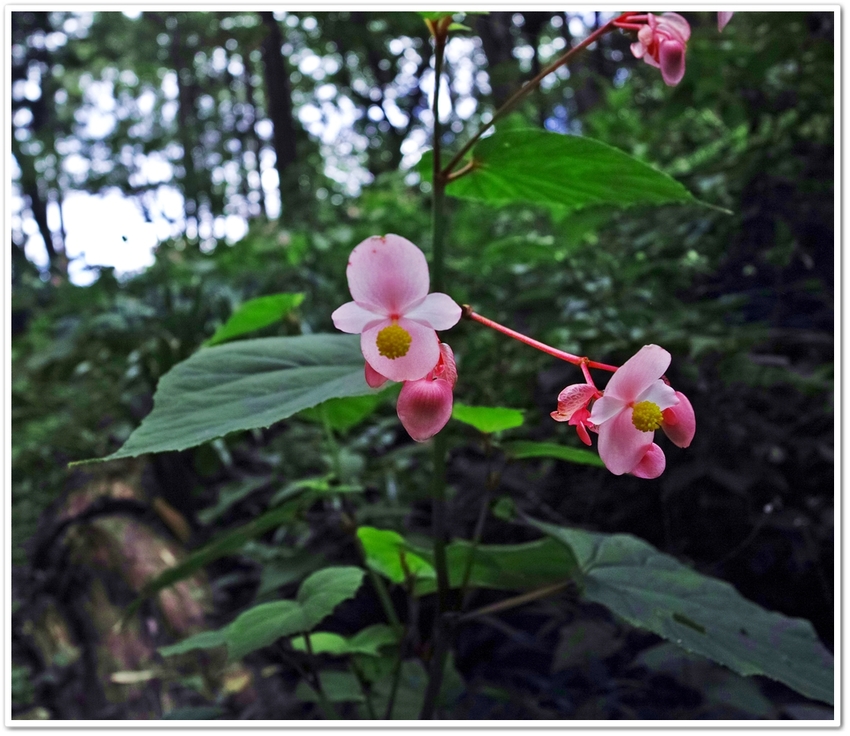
pixel 679 422
pixel 424 406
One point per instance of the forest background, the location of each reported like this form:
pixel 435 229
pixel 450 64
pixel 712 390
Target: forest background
pixel 259 148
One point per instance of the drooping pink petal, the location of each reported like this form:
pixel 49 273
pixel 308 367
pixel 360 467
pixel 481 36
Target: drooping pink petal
pixel 672 61
pixel 581 431
pixel 660 394
pixel 438 311
pixel 652 463
pixel 446 367
pixel 353 318
pixel 680 423
pixel 581 420
pixel 606 408
pixel 571 399
pixel 638 50
pixel 420 359
pixel 637 374
pixel 723 18
pixel 387 274
pixel 621 444
pixel 424 407
pixel 373 378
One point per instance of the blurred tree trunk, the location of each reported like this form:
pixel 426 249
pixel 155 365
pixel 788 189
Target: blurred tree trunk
pixel 534 24
pixel 252 139
pixel 35 185
pixel 279 96
pixel 495 32
pixel 186 93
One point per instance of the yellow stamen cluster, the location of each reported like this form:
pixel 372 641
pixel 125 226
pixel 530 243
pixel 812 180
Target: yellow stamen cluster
pixel 646 416
pixel 393 342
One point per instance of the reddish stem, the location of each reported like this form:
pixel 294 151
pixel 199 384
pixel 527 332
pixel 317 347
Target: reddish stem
pixel 584 363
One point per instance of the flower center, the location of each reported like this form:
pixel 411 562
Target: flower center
pixel 393 342
pixel 646 416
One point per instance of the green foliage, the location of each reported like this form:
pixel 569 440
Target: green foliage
pixel 345 413
pixel 262 625
pixel 538 240
pixel 504 566
pixel 255 314
pixel 497 566
pixel 539 167
pixel 487 419
pixel 524 449
pixel 703 615
pixel 252 383
pixel 388 553
pixel 368 641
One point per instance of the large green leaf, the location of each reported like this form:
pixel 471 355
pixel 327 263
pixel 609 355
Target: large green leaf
pixel 487 419
pixel 367 642
pixel 522 566
pixel 566 170
pixel 654 591
pixel 262 625
pixel 256 314
pixel 244 385
pixel 388 553
pixel 522 449
pixel 498 566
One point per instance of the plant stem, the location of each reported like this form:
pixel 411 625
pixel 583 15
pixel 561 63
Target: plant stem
pixel 542 346
pixel 438 484
pixel 438 499
pixel 518 600
pixel 439 183
pixel 490 484
pixel 522 92
pixel 329 710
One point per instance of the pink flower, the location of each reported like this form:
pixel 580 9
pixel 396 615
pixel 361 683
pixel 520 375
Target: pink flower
pixel 652 463
pixel 572 408
pixel 631 409
pixel 424 406
pixel 679 423
pixel 661 43
pixel 392 310
pixel 723 18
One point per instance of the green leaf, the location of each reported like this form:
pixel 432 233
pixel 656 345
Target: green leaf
pixel 345 413
pixel 540 167
pixel 504 566
pixel 522 450
pixel 410 693
pixel 202 640
pixel 256 314
pixel 325 590
pixel 654 591
pixel 487 419
pixel 264 624
pixel 245 385
pixel 388 553
pixel 368 641
pixel 339 687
